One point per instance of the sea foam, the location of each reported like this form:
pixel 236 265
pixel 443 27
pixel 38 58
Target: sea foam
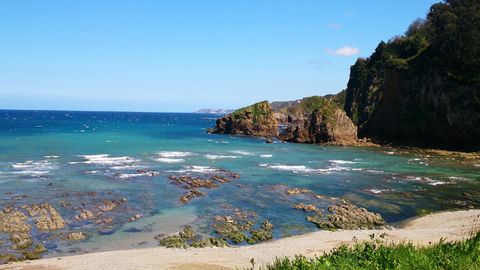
pixel 213 157
pixel 174 154
pixel 170 160
pixel 242 152
pixel 32 167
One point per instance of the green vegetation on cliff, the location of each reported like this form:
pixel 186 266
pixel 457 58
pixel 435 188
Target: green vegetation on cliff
pixel 375 255
pixel 258 111
pixel 254 120
pixel 423 88
pixel 306 106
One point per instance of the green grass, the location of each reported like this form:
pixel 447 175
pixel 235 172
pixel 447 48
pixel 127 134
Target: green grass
pixel 375 255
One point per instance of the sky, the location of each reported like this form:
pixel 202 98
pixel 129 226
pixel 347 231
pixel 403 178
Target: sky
pixel 184 55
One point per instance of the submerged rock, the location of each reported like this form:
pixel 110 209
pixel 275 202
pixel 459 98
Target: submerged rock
pixel 110 205
pixel 297 191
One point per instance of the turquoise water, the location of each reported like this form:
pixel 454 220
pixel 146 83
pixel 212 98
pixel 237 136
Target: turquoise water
pixel 62 157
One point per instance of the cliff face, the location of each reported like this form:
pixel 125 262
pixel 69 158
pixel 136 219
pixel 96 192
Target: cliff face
pixel 420 89
pixel 255 120
pixel 326 123
pixel 428 110
pixel 423 88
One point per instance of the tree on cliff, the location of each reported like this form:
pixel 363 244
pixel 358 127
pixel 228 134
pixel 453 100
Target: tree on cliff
pixel 453 30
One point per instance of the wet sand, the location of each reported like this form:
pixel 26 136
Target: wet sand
pixel 420 231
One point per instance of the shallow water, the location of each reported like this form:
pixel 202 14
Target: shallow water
pixel 59 157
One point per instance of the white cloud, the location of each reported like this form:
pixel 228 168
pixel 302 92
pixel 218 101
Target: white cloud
pixel 334 26
pixel 344 51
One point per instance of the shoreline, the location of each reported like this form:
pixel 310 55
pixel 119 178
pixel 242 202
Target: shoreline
pixel 450 226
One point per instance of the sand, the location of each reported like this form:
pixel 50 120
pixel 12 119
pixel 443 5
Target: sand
pixel 420 231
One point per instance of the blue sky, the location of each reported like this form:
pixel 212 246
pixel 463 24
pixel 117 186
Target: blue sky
pixel 184 55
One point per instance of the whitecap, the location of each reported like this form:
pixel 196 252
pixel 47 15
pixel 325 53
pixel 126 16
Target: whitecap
pixel 459 178
pixel 291 168
pixel 266 156
pixel 377 191
pixel 128 175
pixel 200 169
pixel 213 157
pixel 29 172
pixel 436 183
pixel 174 154
pixel 374 171
pixel 426 180
pixel 125 167
pixel 31 167
pixel 52 157
pixel 342 162
pixel 303 169
pixel 242 152
pixel 106 159
pixel 170 160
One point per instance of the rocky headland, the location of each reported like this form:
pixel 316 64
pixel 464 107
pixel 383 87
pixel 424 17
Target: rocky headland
pixel 420 89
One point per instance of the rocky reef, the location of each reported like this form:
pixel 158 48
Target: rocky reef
pixel 193 183
pixel 254 120
pixel 344 215
pixel 189 238
pixel 28 230
pixel 238 227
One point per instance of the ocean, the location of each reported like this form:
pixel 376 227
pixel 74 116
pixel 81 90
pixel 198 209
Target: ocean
pixel 76 160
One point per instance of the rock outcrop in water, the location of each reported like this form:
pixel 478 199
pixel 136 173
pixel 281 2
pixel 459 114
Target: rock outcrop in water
pixel 254 120
pixel 322 126
pixel 193 183
pixel 310 120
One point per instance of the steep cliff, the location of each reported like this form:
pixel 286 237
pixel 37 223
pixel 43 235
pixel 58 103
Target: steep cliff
pixel 254 120
pixel 317 120
pixel 423 88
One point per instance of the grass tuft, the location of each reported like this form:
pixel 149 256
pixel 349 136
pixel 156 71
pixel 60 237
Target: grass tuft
pixel 375 254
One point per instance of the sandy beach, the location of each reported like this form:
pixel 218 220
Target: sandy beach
pixel 421 231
